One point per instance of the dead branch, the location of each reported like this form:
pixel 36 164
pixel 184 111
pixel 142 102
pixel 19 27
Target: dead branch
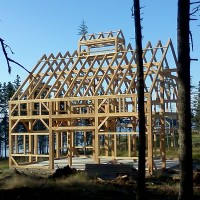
pixel 5 54
pixel 191 38
pixel 196 9
pixel 8 60
pixel 196 2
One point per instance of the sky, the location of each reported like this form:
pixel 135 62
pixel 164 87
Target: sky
pixel 37 27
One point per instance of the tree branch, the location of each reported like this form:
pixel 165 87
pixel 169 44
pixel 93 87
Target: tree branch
pixel 8 60
pixel 195 2
pixel 191 38
pixel 196 9
pixel 5 54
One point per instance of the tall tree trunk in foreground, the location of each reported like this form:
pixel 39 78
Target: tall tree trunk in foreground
pixel 140 89
pixel 185 138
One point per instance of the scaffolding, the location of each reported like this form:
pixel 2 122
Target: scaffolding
pixel 87 102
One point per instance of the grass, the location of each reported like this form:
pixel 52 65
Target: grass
pixel 196 146
pixel 4 163
pixel 174 152
pixel 79 186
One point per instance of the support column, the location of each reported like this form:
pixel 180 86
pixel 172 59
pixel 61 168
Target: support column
pixel 106 144
pixel 51 139
pixel 129 145
pixel 162 121
pixel 106 137
pixel 24 143
pixel 84 140
pixel 36 145
pixel 10 137
pixel 61 142
pixel 154 144
pixel 16 144
pixel 30 130
pixel 97 159
pixel 70 147
pixel 134 146
pixel 58 144
pixel 93 145
pixel 150 136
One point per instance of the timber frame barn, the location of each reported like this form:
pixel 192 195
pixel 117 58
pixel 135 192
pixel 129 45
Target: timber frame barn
pixel 79 101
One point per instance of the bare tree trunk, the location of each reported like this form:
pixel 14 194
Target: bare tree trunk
pixel 185 139
pixel 141 115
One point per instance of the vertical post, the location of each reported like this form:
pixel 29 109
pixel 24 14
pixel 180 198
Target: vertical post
pixel 58 144
pixel 93 144
pixel 150 136
pixel 162 120
pixel 84 138
pixel 106 137
pixel 16 144
pixel 24 143
pixel 10 138
pixel 134 146
pixel 129 145
pixel 58 139
pixel 35 145
pixel 97 160
pixel 154 144
pixel 113 136
pixel 106 144
pixel 51 139
pixel 30 130
pixel 70 147
pixel 61 142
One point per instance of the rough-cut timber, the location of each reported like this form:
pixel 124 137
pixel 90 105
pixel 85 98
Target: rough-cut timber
pixel 80 101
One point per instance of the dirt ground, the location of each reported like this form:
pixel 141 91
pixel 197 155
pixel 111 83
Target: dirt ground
pixel 67 183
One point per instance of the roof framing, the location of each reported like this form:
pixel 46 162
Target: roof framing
pixel 98 83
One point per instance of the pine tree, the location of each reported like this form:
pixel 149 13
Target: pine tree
pixel 17 82
pixel 196 109
pixel 83 29
pixel 6 92
pixel 4 116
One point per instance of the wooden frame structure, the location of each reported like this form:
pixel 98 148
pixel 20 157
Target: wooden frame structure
pixel 96 85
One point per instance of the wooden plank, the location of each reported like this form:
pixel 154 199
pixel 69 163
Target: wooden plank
pixel 73 128
pixel 51 139
pixel 118 133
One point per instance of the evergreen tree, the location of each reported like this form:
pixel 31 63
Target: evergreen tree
pixel 83 29
pixel 4 116
pixel 7 90
pixel 196 109
pixel 17 82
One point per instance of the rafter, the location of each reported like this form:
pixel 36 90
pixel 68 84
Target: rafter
pixel 94 87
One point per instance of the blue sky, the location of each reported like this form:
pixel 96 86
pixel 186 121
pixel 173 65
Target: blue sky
pixel 36 27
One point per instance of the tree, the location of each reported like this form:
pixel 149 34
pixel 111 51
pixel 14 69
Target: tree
pixel 17 82
pixel 184 108
pixel 83 29
pixel 6 92
pixel 141 114
pixel 195 103
pixel 8 59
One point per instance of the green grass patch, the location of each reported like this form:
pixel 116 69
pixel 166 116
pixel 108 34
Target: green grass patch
pixel 4 163
pixel 196 146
